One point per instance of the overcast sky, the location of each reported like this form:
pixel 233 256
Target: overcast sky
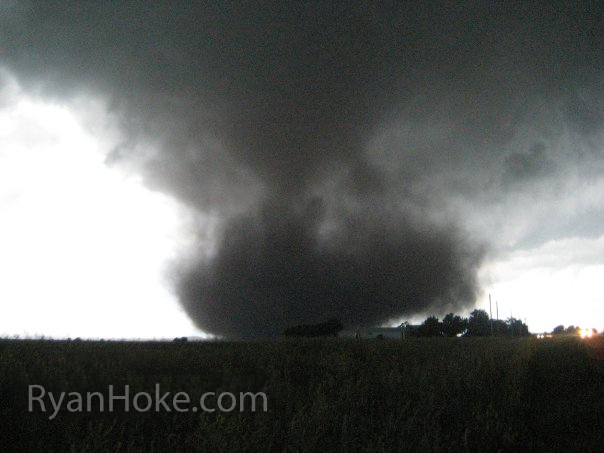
pixel 235 170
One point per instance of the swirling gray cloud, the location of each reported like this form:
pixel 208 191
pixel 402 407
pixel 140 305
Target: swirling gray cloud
pixel 342 147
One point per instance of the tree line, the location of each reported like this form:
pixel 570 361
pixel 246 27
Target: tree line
pixel 572 330
pixel 478 324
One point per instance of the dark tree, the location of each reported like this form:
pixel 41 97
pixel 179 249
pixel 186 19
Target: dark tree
pixel 479 324
pixel 454 325
pixel 518 328
pixel 558 330
pixel 572 330
pixel 500 327
pixel 431 327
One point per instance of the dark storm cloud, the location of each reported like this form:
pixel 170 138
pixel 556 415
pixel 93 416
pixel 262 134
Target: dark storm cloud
pixel 274 268
pixel 528 165
pixel 325 136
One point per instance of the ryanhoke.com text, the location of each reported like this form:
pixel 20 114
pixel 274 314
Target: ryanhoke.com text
pixel 125 400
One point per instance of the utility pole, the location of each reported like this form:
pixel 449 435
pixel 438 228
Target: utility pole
pixel 497 308
pixel 491 315
pixel 512 322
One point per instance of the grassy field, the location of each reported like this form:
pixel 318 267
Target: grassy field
pixel 428 395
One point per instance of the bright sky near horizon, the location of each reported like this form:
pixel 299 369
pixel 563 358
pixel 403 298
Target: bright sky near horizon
pixel 84 246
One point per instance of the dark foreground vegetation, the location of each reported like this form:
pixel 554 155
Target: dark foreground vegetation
pixel 428 395
pixel 329 328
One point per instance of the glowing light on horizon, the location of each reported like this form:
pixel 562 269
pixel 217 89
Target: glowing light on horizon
pixel 586 332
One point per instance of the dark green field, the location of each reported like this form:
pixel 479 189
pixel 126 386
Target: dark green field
pixel 427 395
